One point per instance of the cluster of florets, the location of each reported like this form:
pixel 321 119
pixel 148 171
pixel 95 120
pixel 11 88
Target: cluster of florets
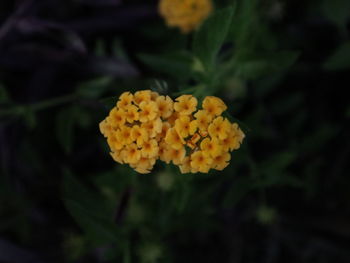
pixel 185 14
pixel 145 127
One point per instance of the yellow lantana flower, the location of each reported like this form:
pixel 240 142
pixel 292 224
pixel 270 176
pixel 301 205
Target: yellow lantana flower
pixel 214 106
pixel 105 128
pixel 185 14
pixel 174 139
pixel 144 165
pixel 200 162
pixel 131 113
pixel 203 119
pixel 185 104
pixel 149 148
pixel 221 161
pixel 153 127
pixel 116 118
pixel 165 106
pixel 211 147
pixel 219 128
pixel 114 143
pixel 144 127
pixel 125 100
pixel 142 96
pixel 176 155
pixel 139 135
pixel 124 135
pixel 149 111
pixel 185 127
pixel 131 154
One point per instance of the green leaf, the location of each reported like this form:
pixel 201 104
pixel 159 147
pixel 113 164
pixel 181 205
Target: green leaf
pixel 211 36
pixel 240 188
pixel 266 64
pixel 89 210
pixel 340 59
pixel 178 65
pixel 337 11
pixel 94 88
pixel 4 97
pixel 65 121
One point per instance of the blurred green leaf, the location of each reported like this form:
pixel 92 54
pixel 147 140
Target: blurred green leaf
pixel 65 121
pixel 109 102
pixel 4 96
pixel 340 59
pixel 266 64
pixel 178 65
pixel 337 11
pixel 211 36
pixel 89 210
pixel 29 118
pixel 94 88
pixel 239 189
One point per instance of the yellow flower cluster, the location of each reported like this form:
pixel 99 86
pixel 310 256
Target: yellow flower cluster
pixel 146 126
pixel 185 14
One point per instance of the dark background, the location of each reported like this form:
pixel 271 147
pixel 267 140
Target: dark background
pixel 285 196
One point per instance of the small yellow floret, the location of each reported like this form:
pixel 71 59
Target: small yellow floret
pixel 174 139
pixel 116 118
pixel 214 106
pixel 139 135
pixel 200 162
pixel 131 113
pixel 114 143
pixel 142 96
pixel 185 104
pixel 221 161
pixel 149 148
pixel 176 155
pixel 131 154
pixel 219 128
pixel 105 128
pixel 149 111
pixel 124 135
pixel 185 166
pixel 203 119
pixel 125 100
pixel 165 106
pixel 117 156
pixel 153 127
pixel 211 147
pixel 185 127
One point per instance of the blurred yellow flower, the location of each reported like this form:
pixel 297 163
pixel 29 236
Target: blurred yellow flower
pixel 185 104
pixel 185 14
pixel 114 143
pixel 105 128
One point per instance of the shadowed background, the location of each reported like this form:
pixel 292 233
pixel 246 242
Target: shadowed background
pixel 283 198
